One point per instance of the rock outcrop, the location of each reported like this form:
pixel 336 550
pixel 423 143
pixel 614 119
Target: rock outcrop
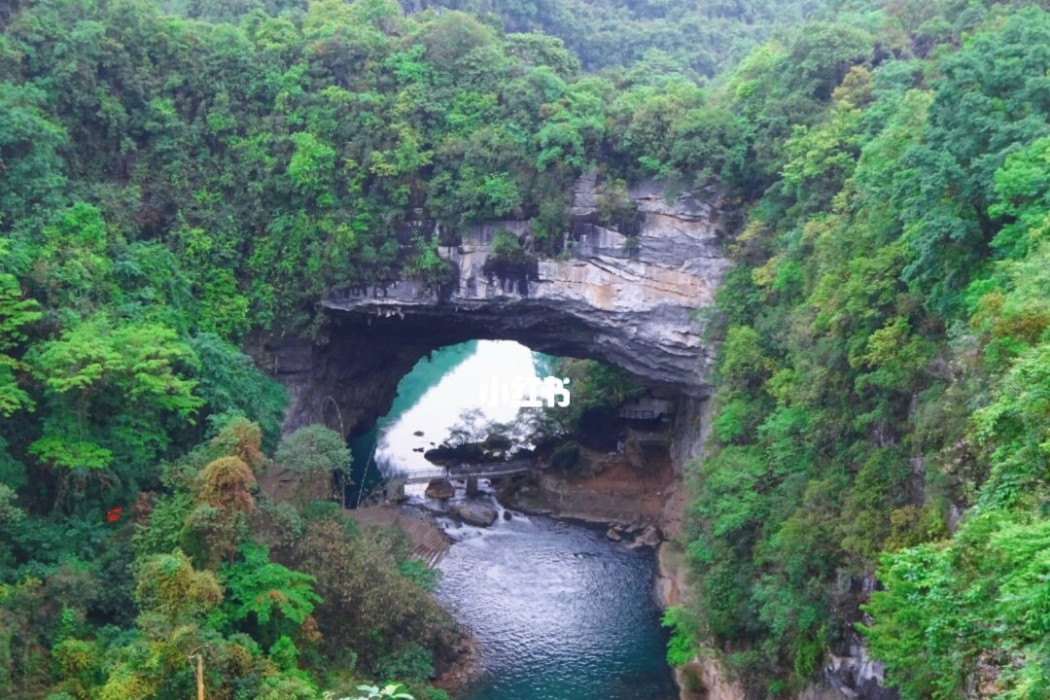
pixel 630 300
pixel 477 514
pixel 440 489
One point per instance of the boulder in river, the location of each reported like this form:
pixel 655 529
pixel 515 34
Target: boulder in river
pixel 613 534
pixel 479 514
pixel 440 489
pixel 634 527
pixel 649 537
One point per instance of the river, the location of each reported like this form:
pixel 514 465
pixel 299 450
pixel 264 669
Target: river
pixel 560 611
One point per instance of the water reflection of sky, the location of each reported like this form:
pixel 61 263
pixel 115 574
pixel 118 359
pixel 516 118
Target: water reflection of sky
pixel 439 408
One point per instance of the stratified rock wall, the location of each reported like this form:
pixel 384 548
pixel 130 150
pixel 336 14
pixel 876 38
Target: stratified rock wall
pixel 633 302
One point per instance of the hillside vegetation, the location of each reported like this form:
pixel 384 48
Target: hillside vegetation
pixel 884 405
pixel 178 177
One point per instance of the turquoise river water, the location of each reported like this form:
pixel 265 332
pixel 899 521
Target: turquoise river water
pixel 560 611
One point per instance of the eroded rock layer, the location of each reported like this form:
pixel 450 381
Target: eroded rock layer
pixel 632 295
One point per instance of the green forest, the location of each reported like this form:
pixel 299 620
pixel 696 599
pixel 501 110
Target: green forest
pixel 178 178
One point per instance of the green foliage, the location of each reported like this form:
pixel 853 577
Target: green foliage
pixel 596 383
pixel 597 391
pixel 284 654
pixel 235 601
pixel 109 393
pixel 880 367
pixel 314 449
pixel 417 571
pixel 368 605
pixel 744 363
pixel 16 313
pixel 264 589
pixel 287 687
pixel 986 105
pixel 31 179
pixel 168 584
pixel 972 601
pixel 506 248
pixel 883 333
pixel 229 382
pixel 565 455
pixel 429 267
pixel 391 690
pixel 682 646
pixel 1021 188
pixel 312 166
pixel 9 512
pixel 412 662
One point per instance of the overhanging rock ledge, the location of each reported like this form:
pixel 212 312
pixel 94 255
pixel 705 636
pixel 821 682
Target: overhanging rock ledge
pixel 633 297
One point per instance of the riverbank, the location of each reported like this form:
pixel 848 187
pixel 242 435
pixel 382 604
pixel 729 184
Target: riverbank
pixel 703 677
pixel 641 485
pixel 633 485
pixel 633 490
pixel 429 542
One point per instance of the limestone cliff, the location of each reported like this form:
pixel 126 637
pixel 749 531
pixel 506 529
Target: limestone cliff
pixel 633 301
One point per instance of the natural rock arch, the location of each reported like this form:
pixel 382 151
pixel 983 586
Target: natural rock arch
pixel 632 302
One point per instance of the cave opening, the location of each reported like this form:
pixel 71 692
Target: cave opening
pixel 489 401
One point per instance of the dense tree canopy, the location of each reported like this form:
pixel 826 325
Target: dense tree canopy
pixel 180 178
pixel 881 368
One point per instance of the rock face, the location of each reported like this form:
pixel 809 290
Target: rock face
pixel 849 674
pixel 606 488
pixel 650 537
pixel 857 675
pixel 478 514
pixel 628 303
pixel 627 295
pixel 631 301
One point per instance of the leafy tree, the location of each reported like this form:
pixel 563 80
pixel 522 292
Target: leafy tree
pixel 429 267
pixel 169 585
pixel 314 449
pixel 267 592
pixel 31 177
pixel 392 690
pixel 97 371
pixel 16 312
pixel 229 382
pixel 367 605
pixel 988 103
pixel 213 529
